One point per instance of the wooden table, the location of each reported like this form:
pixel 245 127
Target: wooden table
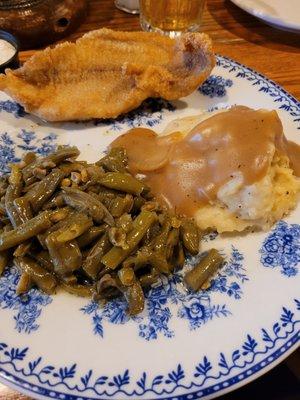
pixel 274 53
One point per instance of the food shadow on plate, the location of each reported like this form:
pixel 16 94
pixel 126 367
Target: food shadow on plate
pixel 149 114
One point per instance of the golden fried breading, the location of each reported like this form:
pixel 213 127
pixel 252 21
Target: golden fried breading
pixel 107 73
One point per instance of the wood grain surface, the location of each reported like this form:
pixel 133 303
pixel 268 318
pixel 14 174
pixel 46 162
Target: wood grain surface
pixel 242 37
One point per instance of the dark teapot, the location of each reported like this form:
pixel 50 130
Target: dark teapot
pixel 39 22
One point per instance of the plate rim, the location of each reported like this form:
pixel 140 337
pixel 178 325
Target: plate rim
pixel 289 345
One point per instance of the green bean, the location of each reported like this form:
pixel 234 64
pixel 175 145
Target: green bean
pixel 190 236
pixel 25 284
pixel 57 157
pixel 134 296
pixel 172 241
pixel 117 237
pixel 66 220
pixel 78 290
pixel 107 288
pixel 148 256
pixel 56 200
pixel 12 192
pixel 138 203
pixel 69 167
pixel 178 256
pixel 91 235
pixel 115 160
pixel 124 222
pixel 160 241
pixel 126 276
pixel 138 260
pixel 3 185
pixel 60 241
pixel 121 205
pixel 151 206
pixel 2 209
pixel 88 203
pixel 66 256
pixel 43 258
pixel 23 209
pixel 22 249
pixel 106 195
pixel 151 234
pixel 15 178
pixel 160 263
pixel 123 182
pixel 29 158
pixel 103 271
pixel 95 187
pixel 162 244
pixel 70 279
pixel 200 274
pixel 25 231
pixel 90 177
pixel 42 278
pixel 29 183
pixel 8 227
pixel 149 279
pixel 60 214
pixel 92 264
pixel 44 189
pixel 71 228
pixel 94 172
pixel 101 234
pixel 140 226
pixel 4 258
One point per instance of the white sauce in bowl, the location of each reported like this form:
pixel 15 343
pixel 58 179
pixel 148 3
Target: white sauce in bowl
pixel 7 51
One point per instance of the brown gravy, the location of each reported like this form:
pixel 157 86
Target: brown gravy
pixel 186 172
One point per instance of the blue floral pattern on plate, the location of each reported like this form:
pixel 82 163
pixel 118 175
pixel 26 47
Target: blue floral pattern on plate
pixel 253 354
pixel 25 141
pixel 197 308
pixel 150 113
pixel 27 308
pixel 281 248
pixel 283 99
pixel 12 107
pixel 215 86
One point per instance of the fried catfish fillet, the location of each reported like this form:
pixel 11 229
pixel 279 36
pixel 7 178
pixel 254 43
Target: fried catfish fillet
pixel 107 73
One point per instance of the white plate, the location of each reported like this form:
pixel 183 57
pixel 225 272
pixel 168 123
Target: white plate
pixel 282 14
pixel 185 346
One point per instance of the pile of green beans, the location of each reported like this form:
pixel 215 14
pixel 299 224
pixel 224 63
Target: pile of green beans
pixel 92 229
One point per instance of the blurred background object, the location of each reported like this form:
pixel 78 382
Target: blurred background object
pixel 9 47
pixel 280 14
pixel 39 22
pixel 130 6
pixel 171 17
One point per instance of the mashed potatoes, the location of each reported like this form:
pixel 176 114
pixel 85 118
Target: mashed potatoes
pixel 238 207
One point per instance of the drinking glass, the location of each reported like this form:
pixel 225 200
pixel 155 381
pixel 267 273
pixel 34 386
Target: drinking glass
pixel 171 17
